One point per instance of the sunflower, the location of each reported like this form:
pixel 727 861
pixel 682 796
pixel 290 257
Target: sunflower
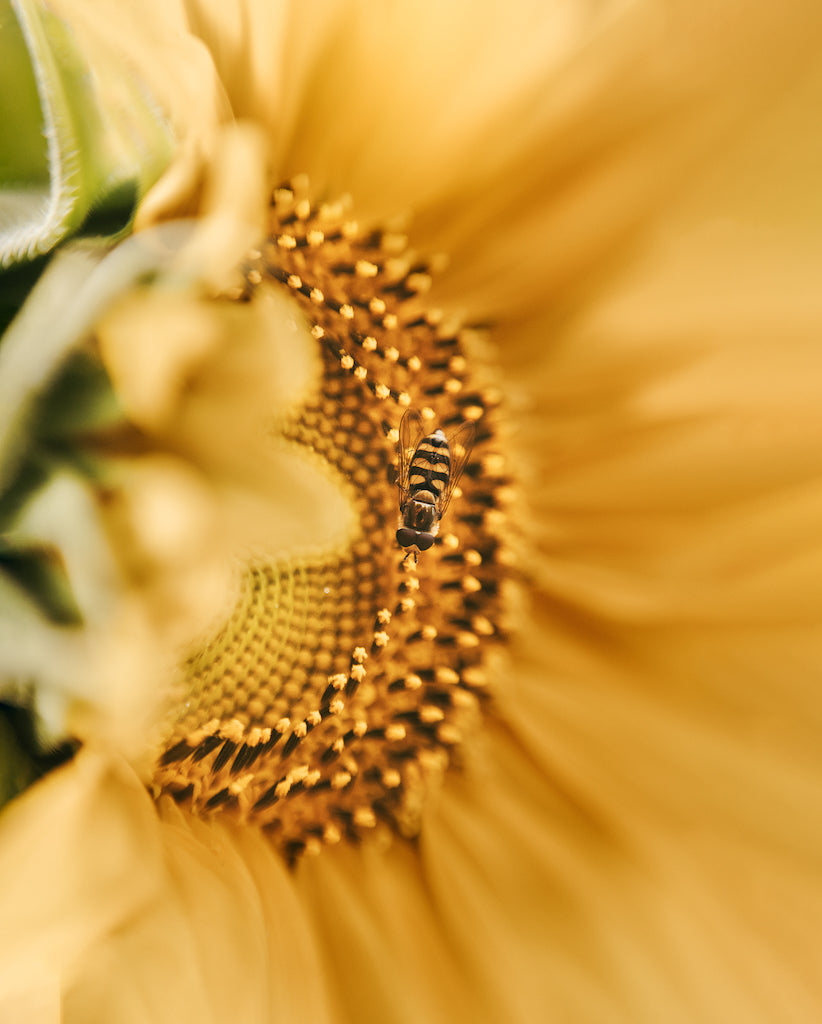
pixel 563 765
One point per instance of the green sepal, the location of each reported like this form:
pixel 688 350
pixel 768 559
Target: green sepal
pixel 82 140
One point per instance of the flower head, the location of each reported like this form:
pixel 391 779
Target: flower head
pixel 344 680
pixel 559 762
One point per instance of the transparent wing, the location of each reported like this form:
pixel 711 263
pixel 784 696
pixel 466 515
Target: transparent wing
pixel 411 433
pixel 460 445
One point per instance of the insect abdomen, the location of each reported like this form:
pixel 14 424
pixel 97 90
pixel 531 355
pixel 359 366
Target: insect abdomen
pixel 430 468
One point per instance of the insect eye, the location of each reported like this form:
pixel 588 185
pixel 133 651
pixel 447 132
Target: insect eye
pixel 405 538
pixel 424 541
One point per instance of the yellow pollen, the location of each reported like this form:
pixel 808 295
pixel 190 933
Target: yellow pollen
pixel 208 729
pixel 466 639
pixel 463 699
pixel 475 677
pixel 236 786
pixel 493 464
pixel 494 519
pixel 317 296
pixel 446 676
pixel 418 282
pixel 287 242
pixel 365 269
pixel 295 282
pixel 365 817
pixel 449 734
pixel 233 730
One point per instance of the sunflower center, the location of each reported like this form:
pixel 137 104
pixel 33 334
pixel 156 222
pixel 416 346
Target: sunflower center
pixel 342 687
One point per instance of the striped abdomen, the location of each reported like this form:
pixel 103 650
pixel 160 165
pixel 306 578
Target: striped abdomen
pixel 430 469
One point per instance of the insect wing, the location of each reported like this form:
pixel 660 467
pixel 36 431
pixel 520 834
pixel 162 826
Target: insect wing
pixel 411 433
pixel 460 446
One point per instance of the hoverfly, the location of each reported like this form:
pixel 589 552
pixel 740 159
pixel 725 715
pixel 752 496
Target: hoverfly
pixel 430 468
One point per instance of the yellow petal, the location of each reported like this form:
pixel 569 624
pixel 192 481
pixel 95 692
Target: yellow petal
pixel 211 373
pixel 225 936
pixel 85 680
pixel 386 954
pixel 79 854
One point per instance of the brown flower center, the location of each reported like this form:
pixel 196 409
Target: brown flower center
pixel 342 687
